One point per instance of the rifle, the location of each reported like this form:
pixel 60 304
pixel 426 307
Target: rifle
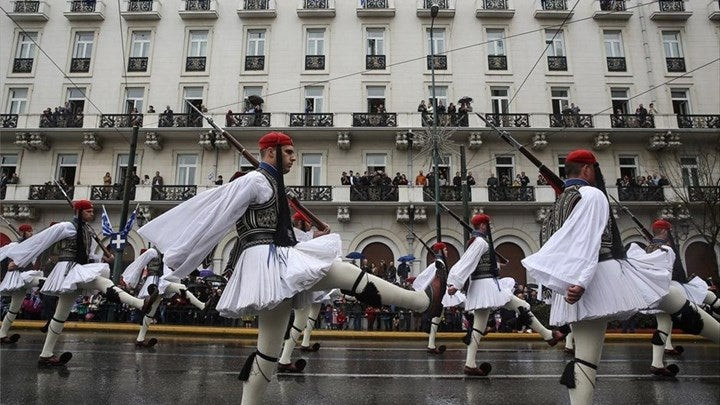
pixel 638 224
pixel 92 232
pixel 292 201
pixel 12 228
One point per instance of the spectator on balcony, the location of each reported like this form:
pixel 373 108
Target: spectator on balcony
pixel 135 179
pixel 345 179
pixel 517 182
pixel 380 109
pixel 422 108
pixel 470 179
pixel 443 181
pixel 157 180
pixel 14 179
pixel 397 179
pixel 541 180
pixel 354 180
pixel 574 110
pixel 457 180
pixel 524 179
pixel 230 120
pixel 430 179
pixel 219 181
pixel 145 180
pixel 151 110
pixel 135 118
pixel 167 117
pixel 505 181
pixel 663 181
pixel 620 119
pixel 651 110
pixel 404 180
pixel 46 119
pixel 641 114
pixel 492 181
pixel 451 109
pixel 107 179
pixel 441 109
pixel 420 179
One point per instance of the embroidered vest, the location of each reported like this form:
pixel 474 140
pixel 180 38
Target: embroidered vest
pixel 68 248
pixel 484 268
pixel 258 224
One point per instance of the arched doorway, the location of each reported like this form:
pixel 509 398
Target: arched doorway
pixel 700 260
pixel 513 253
pixel 378 252
pixel 4 239
pixel 453 257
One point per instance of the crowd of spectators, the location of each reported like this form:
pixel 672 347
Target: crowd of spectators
pixel 370 178
pixel 61 117
pixel 642 181
pixel 450 115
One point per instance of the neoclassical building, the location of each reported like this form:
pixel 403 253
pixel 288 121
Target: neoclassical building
pixel 344 78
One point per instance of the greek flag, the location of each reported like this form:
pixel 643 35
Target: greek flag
pixel 107 228
pixel 128 227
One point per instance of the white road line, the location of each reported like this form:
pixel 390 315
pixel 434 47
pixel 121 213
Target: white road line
pixel 492 376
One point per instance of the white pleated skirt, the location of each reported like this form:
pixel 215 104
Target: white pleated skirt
pixel 695 289
pixel 454 300
pixel 162 284
pixel 425 278
pixel 489 293
pixel 63 280
pixel 19 281
pixel 266 275
pixel 325 297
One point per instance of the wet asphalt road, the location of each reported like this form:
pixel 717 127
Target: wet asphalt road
pixel 108 369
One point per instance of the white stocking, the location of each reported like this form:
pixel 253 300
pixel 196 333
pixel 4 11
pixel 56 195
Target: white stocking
pixel 434 324
pixel 64 304
pixel 675 300
pixel 147 320
pixel 664 329
pixel 589 339
pixel 177 288
pixel 479 326
pixel 712 300
pixel 299 321
pixel 311 320
pixel 15 303
pixel 570 341
pixel 516 303
pixel 102 284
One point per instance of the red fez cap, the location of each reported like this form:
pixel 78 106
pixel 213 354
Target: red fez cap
pixel 480 219
pixel 82 205
pixel 583 156
pixel 661 224
pixel 25 228
pixel 273 139
pixel 438 246
pixel 298 216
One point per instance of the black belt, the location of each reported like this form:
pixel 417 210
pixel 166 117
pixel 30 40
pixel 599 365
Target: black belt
pixel 603 257
pixel 481 276
pixel 256 239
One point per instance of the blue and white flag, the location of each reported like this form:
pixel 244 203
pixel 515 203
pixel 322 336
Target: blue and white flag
pixel 128 226
pixel 107 228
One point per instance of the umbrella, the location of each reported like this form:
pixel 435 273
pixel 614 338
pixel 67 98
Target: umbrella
pixel 215 279
pixel 205 273
pixel 407 258
pixel 531 285
pixel 355 255
pixel 255 100
pixel 465 99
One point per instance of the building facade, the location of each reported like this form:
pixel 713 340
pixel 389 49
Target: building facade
pixel 344 78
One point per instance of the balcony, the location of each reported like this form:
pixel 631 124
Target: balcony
pixel 447 193
pixel 79 65
pixel 440 62
pixel 616 64
pixel 374 119
pixel 641 193
pixel 62 119
pixel 374 193
pixel 571 121
pixel 509 120
pixel 43 192
pixel 553 9
pixel 22 65
pixel 248 120
pixel 706 194
pixel 8 120
pixel 314 62
pixel 675 65
pixel 497 62
pixel 612 10
pixel 120 120
pixel 138 10
pixel 172 193
pixel 137 64
pixel 317 8
pixel 257 9
pixel 447 8
pixel 311 120
pixel 698 121
pixel 446 120
pixel 714 10
pixel 670 10
pixel 375 62
pixel 376 8
pixel 631 121
pixel 310 193
pixel 493 9
pixel 199 9
pixel 511 193
pixel 189 120
pixel 85 10
pixel 110 193
pixel 195 64
pixel 557 63
pixel 24 11
pixel 255 62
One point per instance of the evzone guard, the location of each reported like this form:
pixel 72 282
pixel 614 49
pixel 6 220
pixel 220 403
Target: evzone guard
pixel 487 292
pixel 584 263
pixel 77 269
pixel 17 283
pixel 274 272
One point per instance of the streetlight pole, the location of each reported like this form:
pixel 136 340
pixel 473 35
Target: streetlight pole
pixel 434 9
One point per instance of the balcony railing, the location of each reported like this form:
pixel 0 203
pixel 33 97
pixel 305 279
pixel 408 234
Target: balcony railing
pixel 571 121
pixel 120 120
pixel 195 64
pixel 707 194
pixel 316 4
pixel 61 120
pixel 372 4
pixel 442 4
pixel 557 63
pixel 446 119
pixel 140 6
pixel 440 62
pixel 257 4
pixel 509 120
pixel 255 62
pixel 641 193
pixel 113 192
pixel 612 5
pixel 447 193
pixel 49 192
pixel 197 5
pixel 495 5
pixel 82 6
pixel 311 120
pixel 172 193
pixel 373 193
pixel 27 7
pixel 22 65
pixel 675 64
pixel 137 64
pixel 310 193
pixel 190 120
pixel 511 193
pixel 79 65
pixel 632 121
pixel 248 120
pixel 671 6
pixel 9 120
pixel 554 5
pixel 616 64
pixel 497 62
pixel 375 62
pixel 374 119
pixel 314 62
pixel 698 121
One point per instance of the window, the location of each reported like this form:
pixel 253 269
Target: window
pixel 671 43
pixel 26 45
pixel 76 98
pixel 440 93
pixel 557 44
pixel 444 166
pixel 375 98
pixel 122 165
pixel 499 100
pixel 619 98
pixel 613 44
pixel 505 169
pixel 83 45
pixel 689 167
pixel 250 91
pixel 186 169
pixel 134 99
pixel 66 167
pixel 8 164
pixel 312 169
pixel 194 96
pixel 315 41
pixel 314 99
pixel 375 41
pixel 438 40
pixel 198 44
pixel 375 162
pixel 561 166
pixel 256 43
pixel 244 165
pixel 560 99
pixel 496 42
pixel 628 167
pixel 17 100
pixel 140 46
pixel 680 101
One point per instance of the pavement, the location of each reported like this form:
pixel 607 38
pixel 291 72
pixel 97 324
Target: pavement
pixel 189 369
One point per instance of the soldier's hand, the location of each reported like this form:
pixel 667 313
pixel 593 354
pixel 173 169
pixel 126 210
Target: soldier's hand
pixel 12 266
pixel 452 290
pixel 574 293
pixel 109 259
pixel 317 233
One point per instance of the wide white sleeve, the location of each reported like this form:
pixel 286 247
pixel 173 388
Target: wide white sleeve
pixel 134 270
pixel 467 264
pixel 5 249
pixel 188 232
pixel 302 236
pixel 25 253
